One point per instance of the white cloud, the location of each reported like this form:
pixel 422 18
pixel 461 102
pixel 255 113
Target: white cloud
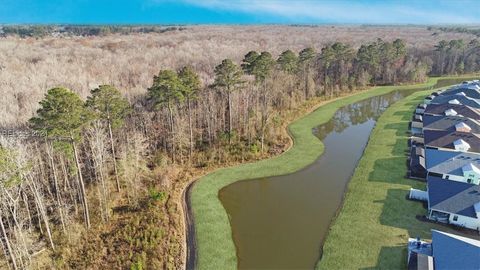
pixel 349 11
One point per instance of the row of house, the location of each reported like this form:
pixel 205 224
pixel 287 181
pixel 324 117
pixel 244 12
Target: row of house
pixel 445 152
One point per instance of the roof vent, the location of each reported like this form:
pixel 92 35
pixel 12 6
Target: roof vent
pixel 454 101
pixel 463 127
pixel 461 145
pixel 450 112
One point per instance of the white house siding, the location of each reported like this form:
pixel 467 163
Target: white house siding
pixel 454 178
pixel 467 222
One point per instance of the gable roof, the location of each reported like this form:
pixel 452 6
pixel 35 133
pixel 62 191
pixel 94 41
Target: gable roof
pixel 439 109
pixel 441 122
pixel 456 100
pixel 448 139
pixel 449 162
pixel 469 90
pixel 452 196
pixel 452 251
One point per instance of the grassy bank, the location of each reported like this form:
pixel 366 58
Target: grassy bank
pixel 376 220
pixel 215 247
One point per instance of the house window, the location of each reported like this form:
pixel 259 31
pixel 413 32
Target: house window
pixel 447 177
pixel 455 218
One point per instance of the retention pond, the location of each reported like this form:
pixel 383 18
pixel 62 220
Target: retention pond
pixel 281 222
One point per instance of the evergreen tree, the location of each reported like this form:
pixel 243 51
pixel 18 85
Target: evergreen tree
pixel 167 90
pixel 306 57
pixel 288 62
pixel 248 61
pixel 108 105
pixel 62 115
pixel 191 86
pixel 228 77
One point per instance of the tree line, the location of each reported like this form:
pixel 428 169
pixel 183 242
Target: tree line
pixel 97 153
pixel 40 31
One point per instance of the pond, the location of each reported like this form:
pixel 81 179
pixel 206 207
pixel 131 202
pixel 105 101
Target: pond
pixel 281 222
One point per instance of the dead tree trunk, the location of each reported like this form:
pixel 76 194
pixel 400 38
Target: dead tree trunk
pixel 82 186
pixel 113 155
pixel 7 243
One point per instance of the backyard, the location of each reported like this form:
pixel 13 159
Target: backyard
pixel 376 220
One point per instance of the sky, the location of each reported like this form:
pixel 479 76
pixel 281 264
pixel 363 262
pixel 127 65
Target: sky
pixel 240 11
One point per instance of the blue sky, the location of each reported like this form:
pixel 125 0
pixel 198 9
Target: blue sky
pixel 240 11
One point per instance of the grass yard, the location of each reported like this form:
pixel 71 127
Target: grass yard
pixel 372 230
pixel 378 184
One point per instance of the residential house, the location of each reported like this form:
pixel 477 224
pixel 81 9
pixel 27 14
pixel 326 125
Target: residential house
pixel 446 252
pixel 454 202
pixel 417 162
pixel 458 99
pixel 447 109
pixel 450 123
pixel 454 140
pixel 453 165
pixel 471 91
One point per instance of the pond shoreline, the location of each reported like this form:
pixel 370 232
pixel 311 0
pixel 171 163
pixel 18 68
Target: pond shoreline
pixel 212 226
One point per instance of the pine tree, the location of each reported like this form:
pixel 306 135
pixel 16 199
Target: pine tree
pixel 191 86
pixel 61 116
pixel 167 90
pixel 108 105
pixel 228 76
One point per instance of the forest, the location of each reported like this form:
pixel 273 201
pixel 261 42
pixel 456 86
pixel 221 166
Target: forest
pixel 95 181
pixel 40 31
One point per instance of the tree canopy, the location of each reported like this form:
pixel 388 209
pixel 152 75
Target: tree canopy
pixel 288 62
pixel 167 88
pixel 228 75
pixel 62 113
pixel 107 103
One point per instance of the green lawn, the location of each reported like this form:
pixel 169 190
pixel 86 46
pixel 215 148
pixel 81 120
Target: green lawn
pixel 376 220
pixel 215 247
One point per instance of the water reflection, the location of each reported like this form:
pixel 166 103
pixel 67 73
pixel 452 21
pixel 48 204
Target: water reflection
pixel 280 222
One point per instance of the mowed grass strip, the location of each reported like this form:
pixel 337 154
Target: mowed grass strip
pixel 214 243
pixel 372 229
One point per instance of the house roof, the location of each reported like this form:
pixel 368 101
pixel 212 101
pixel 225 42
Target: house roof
pixel 449 162
pixel 448 139
pixel 470 91
pixel 463 125
pixel 441 122
pixel 456 100
pixel 439 109
pixel 452 196
pixel 452 251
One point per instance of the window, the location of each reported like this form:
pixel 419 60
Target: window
pixel 447 177
pixel 469 180
pixel 455 218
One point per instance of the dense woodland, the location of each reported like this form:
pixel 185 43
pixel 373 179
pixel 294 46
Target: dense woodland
pixel 95 182
pixel 40 31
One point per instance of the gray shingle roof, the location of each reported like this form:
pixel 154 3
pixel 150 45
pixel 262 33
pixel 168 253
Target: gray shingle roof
pixel 445 139
pixel 449 162
pixel 468 92
pixel 441 122
pixel 452 196
pixel 462 99
pixel 439 109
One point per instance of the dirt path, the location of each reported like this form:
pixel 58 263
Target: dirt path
pixel 190 243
